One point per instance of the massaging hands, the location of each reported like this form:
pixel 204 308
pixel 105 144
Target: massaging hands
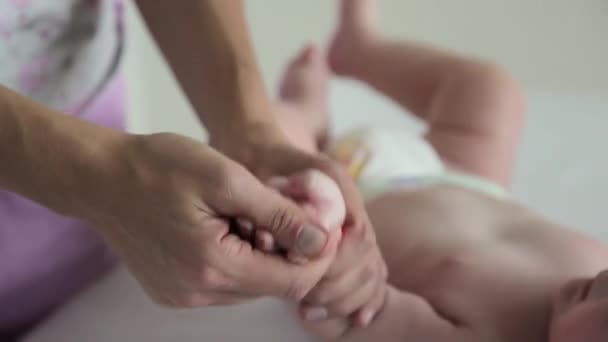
pixel 165 212
pixel 354 284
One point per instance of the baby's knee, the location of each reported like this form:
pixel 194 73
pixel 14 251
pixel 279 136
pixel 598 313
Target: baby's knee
pixel 493 84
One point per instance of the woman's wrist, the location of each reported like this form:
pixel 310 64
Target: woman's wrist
pixel 245 141
pixel 238 111
pixel 82 175
pixel 100 168
pixel 216 67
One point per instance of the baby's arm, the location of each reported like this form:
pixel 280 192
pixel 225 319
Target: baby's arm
pixel 404 317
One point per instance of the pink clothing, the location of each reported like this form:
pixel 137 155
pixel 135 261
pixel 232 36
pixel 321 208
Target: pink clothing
pixel 64 54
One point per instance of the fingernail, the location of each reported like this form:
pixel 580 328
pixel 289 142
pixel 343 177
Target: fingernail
pixel 245 224
pixel 264 241
pixel 316 313
pixel 245 228
pixel 311 241
pixel 366 317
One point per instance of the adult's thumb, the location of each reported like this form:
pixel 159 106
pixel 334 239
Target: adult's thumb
pixel 292 228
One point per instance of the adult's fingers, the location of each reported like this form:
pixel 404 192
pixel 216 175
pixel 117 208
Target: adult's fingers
pixel 264 241
pixel 367 313
pixel 293 161
pixel 255 273
pixel 346 303
pixel 351 302
pixel 289 225
pixel 329 290
pixel 353 252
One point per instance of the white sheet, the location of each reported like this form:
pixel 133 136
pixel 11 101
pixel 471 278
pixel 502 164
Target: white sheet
pixel 116 309
pixel 562 172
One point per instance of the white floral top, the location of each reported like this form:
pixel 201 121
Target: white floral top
pixel 59 52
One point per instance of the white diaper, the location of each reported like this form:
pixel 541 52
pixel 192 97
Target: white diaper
pixel 382 159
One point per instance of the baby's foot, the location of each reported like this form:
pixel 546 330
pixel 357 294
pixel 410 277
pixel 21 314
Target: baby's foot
pixel 357 27
pixel 315 193
pixel 302 107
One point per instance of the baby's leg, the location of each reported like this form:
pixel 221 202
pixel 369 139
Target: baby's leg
pixel 474 109
pixel 301 106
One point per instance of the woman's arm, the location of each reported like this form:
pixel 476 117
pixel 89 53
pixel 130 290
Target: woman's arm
pixel 207 44
pixel 50 157
pixel 162 202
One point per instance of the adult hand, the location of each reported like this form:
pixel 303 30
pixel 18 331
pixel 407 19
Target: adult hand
pixel 355 284
pixel 167 212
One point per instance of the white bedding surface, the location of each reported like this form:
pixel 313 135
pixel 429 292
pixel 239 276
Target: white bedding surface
pixel 116 309
pixel 561 172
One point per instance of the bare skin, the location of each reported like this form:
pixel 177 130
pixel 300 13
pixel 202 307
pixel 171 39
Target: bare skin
pixel 463 266
pixel 350 287
pixel 166 203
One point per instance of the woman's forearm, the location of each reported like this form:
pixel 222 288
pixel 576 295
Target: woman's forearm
pixel 50 157
pixel 207 44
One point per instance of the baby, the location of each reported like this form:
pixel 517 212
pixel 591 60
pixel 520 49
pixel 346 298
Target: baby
pixel 466 263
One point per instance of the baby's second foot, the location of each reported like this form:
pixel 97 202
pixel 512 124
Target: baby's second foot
pixel 357 27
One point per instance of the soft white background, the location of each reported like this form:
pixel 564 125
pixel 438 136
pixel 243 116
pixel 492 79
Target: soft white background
pixel 553 45
pixel 557 48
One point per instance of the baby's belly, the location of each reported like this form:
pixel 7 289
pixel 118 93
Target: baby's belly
pixel 480 260
pixel 425 230
pixel 501 291
pixel 430 229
